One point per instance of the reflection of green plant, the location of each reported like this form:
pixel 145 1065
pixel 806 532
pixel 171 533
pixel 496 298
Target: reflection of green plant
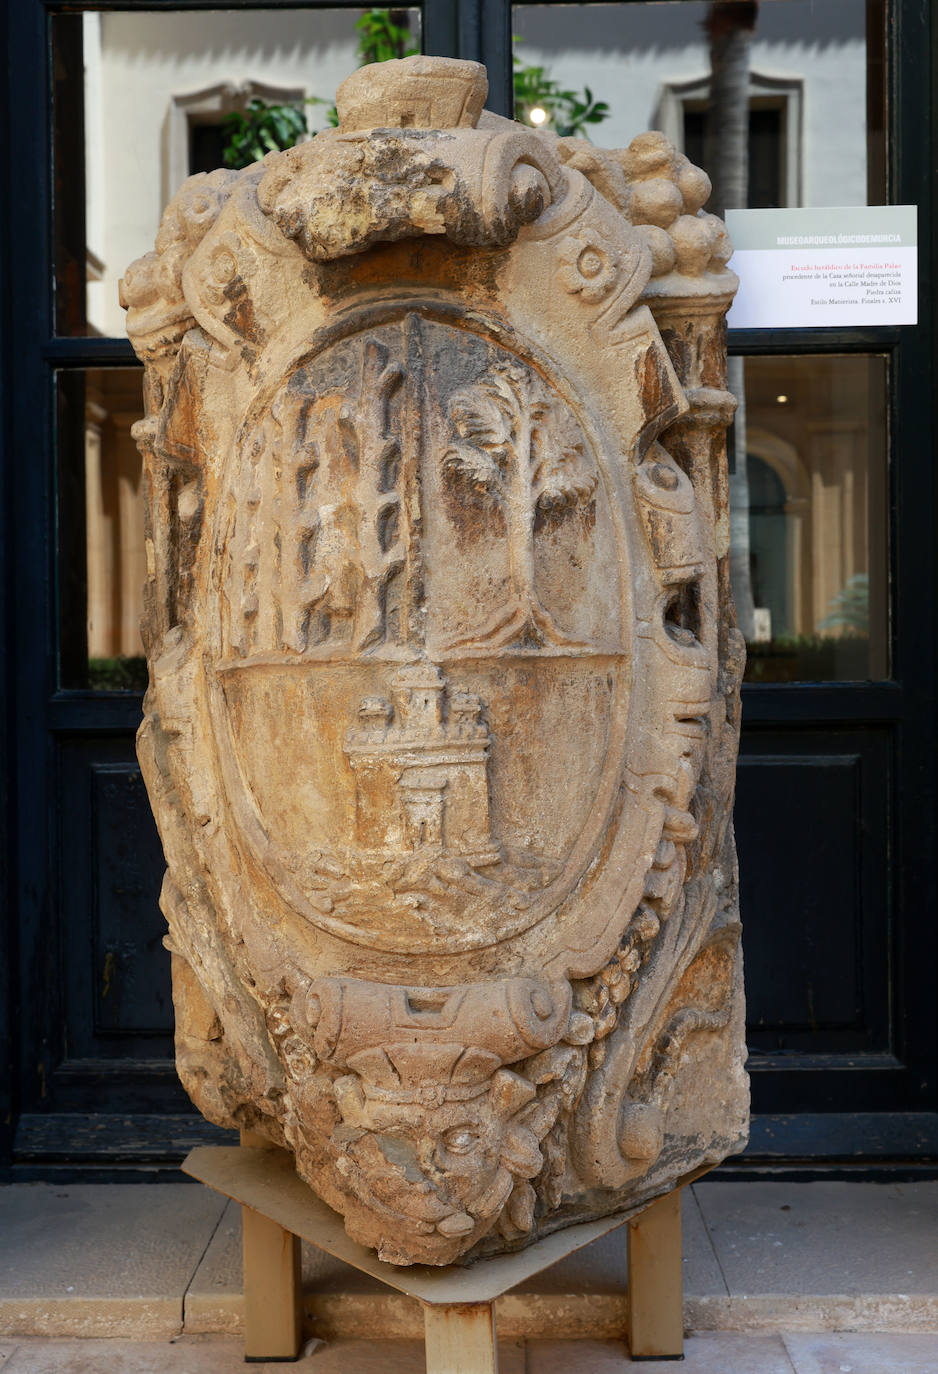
pixel 383 35
pixel 566 111
pixel 260 129
pixel 810 658
pixel 850 608
pixel 123 674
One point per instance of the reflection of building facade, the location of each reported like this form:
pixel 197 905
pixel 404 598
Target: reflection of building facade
pixel 807 82
pixel 153 87
pixel 802 537
pixel 815 440
pixel 116 557
pixel 420 769
pixel 155 93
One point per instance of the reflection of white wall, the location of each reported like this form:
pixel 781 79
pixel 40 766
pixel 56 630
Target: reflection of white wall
pixel 95 215
pixel 135 63
pixel 210 105
pixel 627 55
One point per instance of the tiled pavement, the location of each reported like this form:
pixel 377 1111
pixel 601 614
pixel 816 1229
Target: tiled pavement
pixel 818 1278
pixel 708 1353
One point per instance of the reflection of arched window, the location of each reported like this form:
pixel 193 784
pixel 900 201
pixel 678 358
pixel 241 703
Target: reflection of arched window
pixel 775 105
pixel 116 551
pixel 768 545
pixel 194 128
pixel 780 532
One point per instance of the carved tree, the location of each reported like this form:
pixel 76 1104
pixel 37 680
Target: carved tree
pixel 381 553
pixel 303 585
pixel 508 449
pixel 730 25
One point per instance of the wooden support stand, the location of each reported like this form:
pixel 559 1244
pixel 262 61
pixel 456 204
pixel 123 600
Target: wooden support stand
pixel 273 1291
pixel 459 1303
pixel 460 1338
pixel 656 1281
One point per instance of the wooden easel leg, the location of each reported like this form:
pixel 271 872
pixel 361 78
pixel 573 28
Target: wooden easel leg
pixel 656 1287
pixel 460 1338
pixel 273 1305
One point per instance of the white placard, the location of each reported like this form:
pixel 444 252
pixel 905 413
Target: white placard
pixel 817 268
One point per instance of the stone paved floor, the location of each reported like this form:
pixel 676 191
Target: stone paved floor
pixel 708 1353
pixel 819 1278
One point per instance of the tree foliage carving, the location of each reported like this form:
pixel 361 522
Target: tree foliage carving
pixel 512 444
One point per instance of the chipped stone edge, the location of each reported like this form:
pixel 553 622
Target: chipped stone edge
pixel 142 1318
pixel 582 1315
pixel 835 1312
pixel 520 1316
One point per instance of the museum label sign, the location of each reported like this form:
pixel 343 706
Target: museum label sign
pixel 827 267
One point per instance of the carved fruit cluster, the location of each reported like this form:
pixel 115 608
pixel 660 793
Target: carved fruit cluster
pixel 601 997
pixel 667 194
pixel 662 194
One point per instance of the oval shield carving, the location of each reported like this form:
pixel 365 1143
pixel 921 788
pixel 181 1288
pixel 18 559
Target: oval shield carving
pixel 443 707
pixel 421 620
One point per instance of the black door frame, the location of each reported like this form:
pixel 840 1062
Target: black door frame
pixel 899 1121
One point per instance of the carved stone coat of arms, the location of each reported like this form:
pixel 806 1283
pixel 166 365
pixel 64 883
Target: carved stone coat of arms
pixel 444 684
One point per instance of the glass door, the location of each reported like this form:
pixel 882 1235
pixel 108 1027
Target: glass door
pixel 133 99
pixel 833 527
pixel 788 103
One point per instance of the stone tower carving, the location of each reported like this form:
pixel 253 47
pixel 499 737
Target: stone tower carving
pixel 444 680
pixel 421 781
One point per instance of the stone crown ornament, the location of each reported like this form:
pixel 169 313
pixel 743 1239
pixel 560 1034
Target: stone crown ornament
pixel 444 684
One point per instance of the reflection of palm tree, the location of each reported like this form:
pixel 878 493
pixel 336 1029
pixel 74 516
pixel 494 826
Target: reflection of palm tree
pixel 730 25
pixel 506 449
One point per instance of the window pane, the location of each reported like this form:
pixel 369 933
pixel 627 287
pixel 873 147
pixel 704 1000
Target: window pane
pixel 139 103
pixel 808 517
pixel 804 85
pixel 102 555
pixel 814 88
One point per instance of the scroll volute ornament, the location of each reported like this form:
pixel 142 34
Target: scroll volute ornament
pixel 443 706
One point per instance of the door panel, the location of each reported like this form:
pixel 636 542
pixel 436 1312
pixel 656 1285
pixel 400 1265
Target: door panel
pixel 120 988
pixel 116 1053
pixel 812 814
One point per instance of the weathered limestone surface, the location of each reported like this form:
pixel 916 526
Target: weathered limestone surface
pixel 444 681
